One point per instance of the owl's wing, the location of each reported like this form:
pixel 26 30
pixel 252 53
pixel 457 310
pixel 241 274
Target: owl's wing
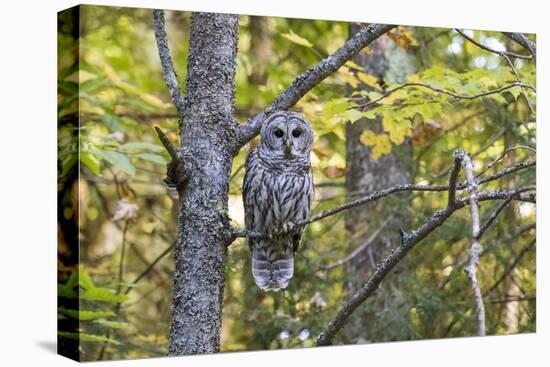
pixel 255 198
pixel 305 205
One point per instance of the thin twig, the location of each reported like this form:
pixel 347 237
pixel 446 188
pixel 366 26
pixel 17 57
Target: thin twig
pixel 522 40
pixel 122 255
pixel 453 177
pixel 496 52
pixel 167 144
pixel 170 76
pixel 514 299
pixel 408 241
pixel 516 75
pixel 499 209
pixel 512 266
pixel 359 249
pixel 445 91
pixel 151 266
pixel 312 77
pixel 508 150
pixel 475 249
pixel 494 195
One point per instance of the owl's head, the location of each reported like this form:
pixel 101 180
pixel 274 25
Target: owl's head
pixel 288 134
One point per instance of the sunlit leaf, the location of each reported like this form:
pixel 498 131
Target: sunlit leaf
pixel 117 159
pixel 87 337
pixel 152 158
pixel 102 295
pixel 85 315
pixel 293 37
pixel 92 162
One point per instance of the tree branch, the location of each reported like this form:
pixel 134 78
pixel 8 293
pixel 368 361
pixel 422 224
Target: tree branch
pixel 306 81
pixel 170 148
pixel 512 266
pixel 490 195
pixel 358 250
pixel 496 52
pixel 408 241
pixel 475 249
pixel 499 209
pixel 447 92
pixel 523 41
pixel 170 76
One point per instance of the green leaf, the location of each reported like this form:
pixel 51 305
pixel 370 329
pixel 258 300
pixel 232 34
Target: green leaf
pixel 66 291
pixel 68 162
pixel 116 159
pixel 112 324
pixel 84 280
pixel 112 121
pixel 91 161
pixel 142 146
pixel 85 315
pixel 294 38
pixel 153 158
pixel 102 295
pixel 87 337
pixel 353 115
pixel 92 85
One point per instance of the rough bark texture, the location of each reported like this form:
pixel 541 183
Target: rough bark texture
pixel 365 174
pixel 206 156
pixel 210 137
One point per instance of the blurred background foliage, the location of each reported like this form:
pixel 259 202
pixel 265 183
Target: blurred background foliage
pixel 113 203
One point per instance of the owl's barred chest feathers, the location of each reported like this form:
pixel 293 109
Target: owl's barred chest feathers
pixel 280 188
pixel 277 193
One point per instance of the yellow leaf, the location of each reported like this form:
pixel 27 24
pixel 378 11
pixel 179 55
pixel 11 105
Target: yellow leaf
pixel 350 64
pixel 353 115
pixel 398 130
pixel 368 51
pixel 349 77
pixel 368 79
pixel 293 37
pixel 380 143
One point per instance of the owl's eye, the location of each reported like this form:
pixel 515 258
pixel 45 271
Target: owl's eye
pixel 296 133
pixel 279 133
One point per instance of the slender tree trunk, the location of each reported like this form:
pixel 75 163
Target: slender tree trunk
pixel 206 151
pixel 366 174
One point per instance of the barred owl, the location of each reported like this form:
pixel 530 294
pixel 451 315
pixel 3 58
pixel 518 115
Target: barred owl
pixel 277 193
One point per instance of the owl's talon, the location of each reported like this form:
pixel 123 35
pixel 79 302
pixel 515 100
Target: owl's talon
pixel 288 226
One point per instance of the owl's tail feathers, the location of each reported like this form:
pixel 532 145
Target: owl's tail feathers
pixel 272 270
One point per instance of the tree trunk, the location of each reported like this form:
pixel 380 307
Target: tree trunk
pixel 206 155
pixel 365 174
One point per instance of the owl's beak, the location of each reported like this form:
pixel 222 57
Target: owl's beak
pixel 288 147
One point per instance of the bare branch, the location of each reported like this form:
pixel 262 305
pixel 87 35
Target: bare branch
pixel 476 247
pixel 512 266
pixel 516 75
pixel 514 299
pixel 522 40
pixel 447 92
pixel 408 241
pixel 167 144
pixel 151 266
pixel 306 81
pixel 359 249
pixel 170 76
pixel 497 52
pixel 499 209
pixel 508 150
pixel 453 177
pixel 491 195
